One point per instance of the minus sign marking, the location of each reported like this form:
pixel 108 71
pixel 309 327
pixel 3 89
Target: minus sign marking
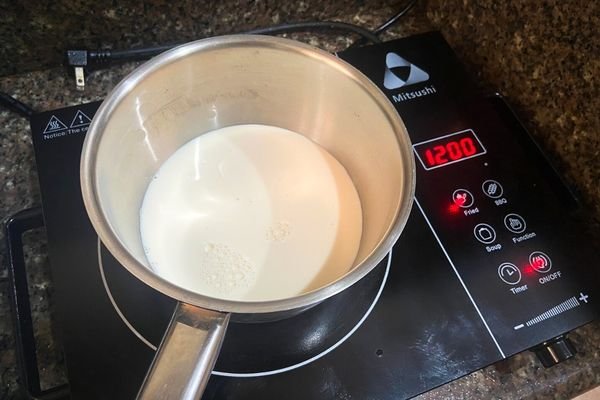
pixel 518 327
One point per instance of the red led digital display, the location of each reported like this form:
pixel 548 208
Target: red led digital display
pixel 449 149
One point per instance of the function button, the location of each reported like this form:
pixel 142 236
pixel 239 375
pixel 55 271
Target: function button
pixel 462 198
pixel 515 223
pixel 540 262
pixel 492 189
pixel 509 273
pixel 484 233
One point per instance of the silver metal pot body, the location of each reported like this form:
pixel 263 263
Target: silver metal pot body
pixel 230 80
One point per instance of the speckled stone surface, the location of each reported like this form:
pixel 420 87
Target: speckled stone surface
pixel 38 33
pixel 545 57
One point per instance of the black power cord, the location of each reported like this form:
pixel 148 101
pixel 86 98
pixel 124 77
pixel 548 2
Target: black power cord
pixel 91 58
pixel 85 59
pixel 385 26
pixel 15 105
pixel 80 59
pixel 316 25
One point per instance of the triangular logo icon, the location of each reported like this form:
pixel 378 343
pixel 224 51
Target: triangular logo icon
pixel 400 72
pixel 80 119
pixel 54 125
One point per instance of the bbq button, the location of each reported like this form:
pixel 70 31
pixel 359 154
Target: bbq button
pixel 492 189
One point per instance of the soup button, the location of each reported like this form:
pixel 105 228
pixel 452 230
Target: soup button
pixel 484 233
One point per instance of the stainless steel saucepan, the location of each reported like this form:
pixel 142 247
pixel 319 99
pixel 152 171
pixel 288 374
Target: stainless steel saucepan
pixel 223 81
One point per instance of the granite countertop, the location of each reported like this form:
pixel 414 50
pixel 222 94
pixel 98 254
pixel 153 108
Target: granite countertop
pixel 543 58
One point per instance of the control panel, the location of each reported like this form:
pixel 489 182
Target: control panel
pixel 492 202
pixel 504 227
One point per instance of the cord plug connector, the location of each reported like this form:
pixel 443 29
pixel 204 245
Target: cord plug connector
pixel 82 60
pixel 78 59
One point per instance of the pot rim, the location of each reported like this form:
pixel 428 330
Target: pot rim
pixel 89 183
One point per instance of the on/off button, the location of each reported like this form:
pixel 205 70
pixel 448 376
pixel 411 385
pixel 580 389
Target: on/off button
pixel 540 262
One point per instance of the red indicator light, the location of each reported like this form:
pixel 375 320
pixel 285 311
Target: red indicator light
pixel 528 270
pixel 453 208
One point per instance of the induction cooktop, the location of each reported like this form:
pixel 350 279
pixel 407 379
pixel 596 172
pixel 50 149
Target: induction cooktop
pixel 492 261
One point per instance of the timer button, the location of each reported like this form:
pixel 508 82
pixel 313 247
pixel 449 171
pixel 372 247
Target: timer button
pixel 484 233
pixel 462 198
pixel 492 189
pixel 515 223
pixel 509 273
pixel 540 262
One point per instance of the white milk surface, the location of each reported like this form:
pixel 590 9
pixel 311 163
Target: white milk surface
pixel 251 213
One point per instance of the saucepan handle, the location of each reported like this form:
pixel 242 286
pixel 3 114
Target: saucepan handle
pixel 186 356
